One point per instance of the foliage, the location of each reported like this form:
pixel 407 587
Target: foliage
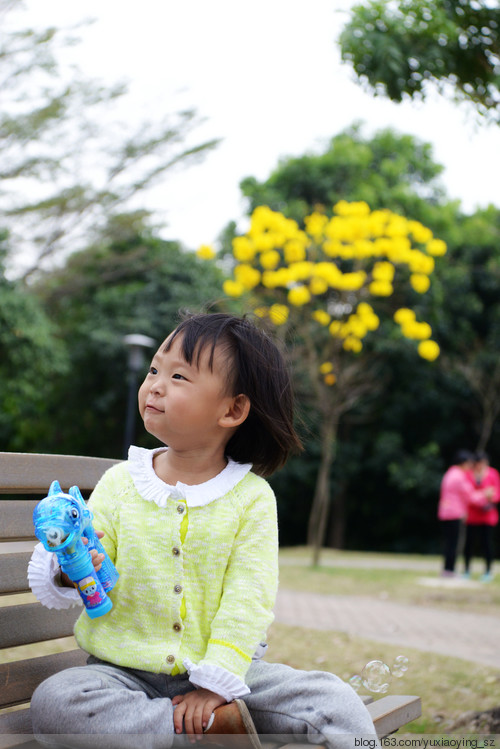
pixel 31 357
pixel 135 284
pixel 68 162
pixel 386 170
pixel 398 48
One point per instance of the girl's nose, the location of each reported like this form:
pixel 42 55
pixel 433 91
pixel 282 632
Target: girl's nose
pixel 157 387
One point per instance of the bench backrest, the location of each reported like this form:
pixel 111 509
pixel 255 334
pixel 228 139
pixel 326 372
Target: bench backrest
pixel 25 478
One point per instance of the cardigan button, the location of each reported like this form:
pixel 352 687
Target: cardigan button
pixel 176 551
pixel 178 588
pixel 170 659
pixel 180 509
pixel 177 627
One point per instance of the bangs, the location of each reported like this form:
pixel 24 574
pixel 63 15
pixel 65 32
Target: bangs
pixel 203 333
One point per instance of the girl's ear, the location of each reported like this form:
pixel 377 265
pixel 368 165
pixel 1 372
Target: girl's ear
pixel 237 412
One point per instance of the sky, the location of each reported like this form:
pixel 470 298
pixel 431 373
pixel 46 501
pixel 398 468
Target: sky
pixel 268 79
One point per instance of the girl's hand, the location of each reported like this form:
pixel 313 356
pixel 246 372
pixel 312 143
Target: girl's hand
pixel 97 559
pixel 195 709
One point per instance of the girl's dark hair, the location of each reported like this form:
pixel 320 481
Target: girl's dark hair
pixel 256 368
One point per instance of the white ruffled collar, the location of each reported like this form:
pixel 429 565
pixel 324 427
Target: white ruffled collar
pixel 153 489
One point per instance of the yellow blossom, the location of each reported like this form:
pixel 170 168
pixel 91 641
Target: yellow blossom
pixel 278 314
pixel 330 379
pixel 299 295
pixel 404 314
pixel 383 271
pixel 428 350
pixel 326 367
pixel 270 259
pixel 335 328
pixel 436 247
pixel 352 281
pixel 417 331
pixel 357 327
pixel 271 279
pixel 364 308
pixel 381 288
pixel 247 276
pixel 205 252
pixel 243 249
pixel 318 286
pixel 321 316
pixel 418 262
pixel 261 311
pixel 233 288
pixel 301 271
pixel 352 344
pixel 315 225
pixel 344 208
pixel 263 242
pixel 420 282
pixel 294 251
pixel 420 233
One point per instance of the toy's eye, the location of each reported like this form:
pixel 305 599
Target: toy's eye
pixel 74 513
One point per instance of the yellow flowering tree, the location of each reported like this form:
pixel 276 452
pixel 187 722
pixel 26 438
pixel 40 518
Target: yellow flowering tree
pixel 328 284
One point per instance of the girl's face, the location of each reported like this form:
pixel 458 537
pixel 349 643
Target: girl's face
pixel 183 405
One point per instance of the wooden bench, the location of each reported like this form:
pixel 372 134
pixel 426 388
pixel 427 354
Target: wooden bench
pixel 25 622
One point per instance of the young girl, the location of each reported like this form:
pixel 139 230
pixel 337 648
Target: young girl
pixel 193 533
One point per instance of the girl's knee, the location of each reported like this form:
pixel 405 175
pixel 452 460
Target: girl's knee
pixel 51 701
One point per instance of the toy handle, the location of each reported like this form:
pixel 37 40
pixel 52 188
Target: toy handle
pixel 80 570
pixel 107 574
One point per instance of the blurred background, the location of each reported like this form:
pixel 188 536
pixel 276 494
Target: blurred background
pixel 131 135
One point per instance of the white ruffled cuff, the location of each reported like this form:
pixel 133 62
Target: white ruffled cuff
pixel 43 568
pixel 217 679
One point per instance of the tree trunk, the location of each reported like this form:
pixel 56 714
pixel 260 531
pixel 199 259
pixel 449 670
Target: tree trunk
pixel 336 533
pixel 321 502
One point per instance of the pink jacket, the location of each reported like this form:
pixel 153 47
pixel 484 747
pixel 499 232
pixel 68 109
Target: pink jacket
pixel 457 493
pixel 477 514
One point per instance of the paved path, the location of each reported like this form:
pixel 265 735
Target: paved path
pixel 474 637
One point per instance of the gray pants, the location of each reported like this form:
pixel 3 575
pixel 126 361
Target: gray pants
pixel 101 705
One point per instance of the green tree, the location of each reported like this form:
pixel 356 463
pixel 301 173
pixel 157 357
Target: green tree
pixel 67 161
pixel 318 285
pixel 31 356
pixel 386 170
pixel 134 283
pixel 398 48
pixel 431 410
pixel 470 325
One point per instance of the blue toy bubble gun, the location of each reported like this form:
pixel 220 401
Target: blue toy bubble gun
pixel 60 522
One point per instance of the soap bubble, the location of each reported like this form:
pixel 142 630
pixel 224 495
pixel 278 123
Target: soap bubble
pixel 356 682
pixel 376 676
pixel 400 666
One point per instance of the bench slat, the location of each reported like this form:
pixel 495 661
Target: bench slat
pixel 32 622
pixel 17 518
pixel 393 711
pixel 16 722
pixel 33 473
pixel 13 572
pixel 19 679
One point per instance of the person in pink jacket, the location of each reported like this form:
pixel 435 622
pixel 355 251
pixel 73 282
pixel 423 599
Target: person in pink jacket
pixel 482 517
pixel 455 495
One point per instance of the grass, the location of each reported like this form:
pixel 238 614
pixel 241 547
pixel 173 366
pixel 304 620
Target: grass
pixel 348 573
pixel 447 686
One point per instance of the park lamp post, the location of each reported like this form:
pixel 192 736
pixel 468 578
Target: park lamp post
pixel 136 345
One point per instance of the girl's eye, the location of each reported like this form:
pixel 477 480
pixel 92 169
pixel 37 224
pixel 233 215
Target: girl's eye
pixel 153 370
pixel 178 376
